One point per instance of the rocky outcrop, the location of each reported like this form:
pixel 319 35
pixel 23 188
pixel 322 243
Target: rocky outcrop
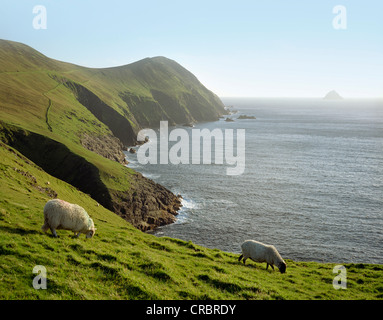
pixel 107 146
pixel 244 116
pixel 148 206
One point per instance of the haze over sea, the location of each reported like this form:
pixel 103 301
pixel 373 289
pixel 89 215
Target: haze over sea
pixel 313 183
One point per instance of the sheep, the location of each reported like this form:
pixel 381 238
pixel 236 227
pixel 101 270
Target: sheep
pixel 260 252
pixel 59 214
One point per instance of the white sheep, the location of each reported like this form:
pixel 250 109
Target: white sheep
pixel 59 214
pixel 260 252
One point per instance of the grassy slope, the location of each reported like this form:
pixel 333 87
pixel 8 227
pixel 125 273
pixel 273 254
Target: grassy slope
pixel 23 66
pixel 27 96
pixel 121 262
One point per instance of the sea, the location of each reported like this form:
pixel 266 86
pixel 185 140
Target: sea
pixel 312 183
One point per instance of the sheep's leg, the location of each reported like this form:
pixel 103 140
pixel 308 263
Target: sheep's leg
pixel 78 234
pixel 244 260
pixel 54 232
pixel 272 266
pixel 240 257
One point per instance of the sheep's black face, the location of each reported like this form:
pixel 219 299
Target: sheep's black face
pixel 90 234
pixel 282 268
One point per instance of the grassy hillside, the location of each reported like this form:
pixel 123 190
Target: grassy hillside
pixel 121 262
pixel 90 115
pixel 143 92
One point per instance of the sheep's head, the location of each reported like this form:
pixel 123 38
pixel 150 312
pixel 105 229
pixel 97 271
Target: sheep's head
pixel 91 233
pixel 92 230
pixel 282 267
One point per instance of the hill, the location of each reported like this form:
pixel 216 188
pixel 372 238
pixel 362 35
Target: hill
pixel 53 111
pixel 141 93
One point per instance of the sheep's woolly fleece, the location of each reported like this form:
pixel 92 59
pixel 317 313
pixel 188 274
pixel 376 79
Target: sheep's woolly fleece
pixel 260 252
pixel 59 214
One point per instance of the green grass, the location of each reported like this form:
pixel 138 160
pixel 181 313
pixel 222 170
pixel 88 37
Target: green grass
pixel 121 262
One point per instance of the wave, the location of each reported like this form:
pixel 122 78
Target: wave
pixel 151 176
pixel 133 165
pixel 189 204
pixel 186 211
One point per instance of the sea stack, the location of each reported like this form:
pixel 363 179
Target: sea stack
pixel 333 95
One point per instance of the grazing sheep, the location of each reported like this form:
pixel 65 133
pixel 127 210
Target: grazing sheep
pixel 59 214
pixel 260 252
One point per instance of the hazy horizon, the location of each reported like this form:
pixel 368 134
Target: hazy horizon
pixel 297 97
pixel 242 49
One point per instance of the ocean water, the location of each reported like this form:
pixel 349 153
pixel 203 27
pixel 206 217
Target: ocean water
pixel 312 184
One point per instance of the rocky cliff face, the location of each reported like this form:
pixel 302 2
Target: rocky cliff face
pixel 107 146
pixel 150 205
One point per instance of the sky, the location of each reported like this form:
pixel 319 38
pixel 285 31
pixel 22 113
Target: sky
pixel 253 48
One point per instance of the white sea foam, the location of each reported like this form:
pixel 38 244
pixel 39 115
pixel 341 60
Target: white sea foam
pixel 152 176
pixel 188 204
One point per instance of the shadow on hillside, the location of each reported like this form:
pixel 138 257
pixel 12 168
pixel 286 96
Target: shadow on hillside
pixel 17 230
